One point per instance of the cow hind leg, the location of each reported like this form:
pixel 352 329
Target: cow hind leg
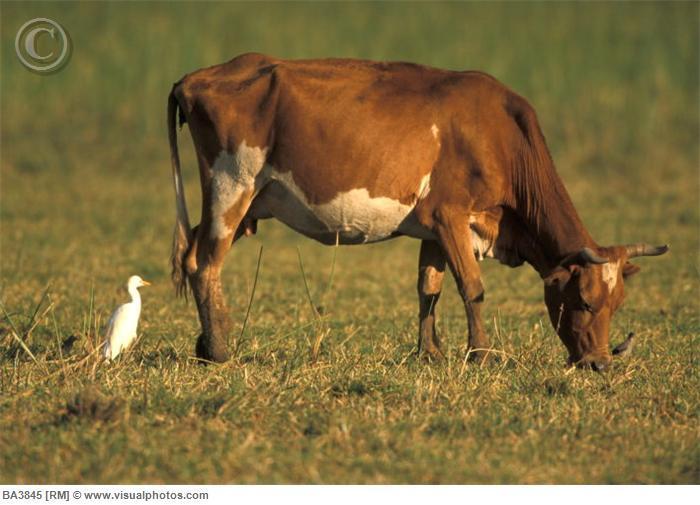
pixel 204 263
pixel 452 228
pixel 431 271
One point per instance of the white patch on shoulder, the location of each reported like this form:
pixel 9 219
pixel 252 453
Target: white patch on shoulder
pixel 610 271
pixel 233 175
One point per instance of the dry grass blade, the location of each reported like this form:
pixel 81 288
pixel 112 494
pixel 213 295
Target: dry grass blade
pixel 331 274
pixel 317 343
pixel 306 286
pixel 272 342
pixel 34 320
pixel 15 335
pixel 66 370
pixel 237 344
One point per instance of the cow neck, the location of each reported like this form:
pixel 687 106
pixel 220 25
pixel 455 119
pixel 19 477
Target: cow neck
pixel 552 221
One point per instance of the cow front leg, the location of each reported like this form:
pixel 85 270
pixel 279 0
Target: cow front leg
pixel 204 263
pixel 452 227
pixel 431 271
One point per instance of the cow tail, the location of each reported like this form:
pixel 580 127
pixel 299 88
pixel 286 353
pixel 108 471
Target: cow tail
pixel 182 234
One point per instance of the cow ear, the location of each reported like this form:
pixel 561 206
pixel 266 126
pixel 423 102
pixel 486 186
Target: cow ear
pixel 575 270
pixel 629 269
pixel 558 277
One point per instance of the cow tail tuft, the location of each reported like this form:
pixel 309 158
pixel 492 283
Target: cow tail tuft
pixel 182 234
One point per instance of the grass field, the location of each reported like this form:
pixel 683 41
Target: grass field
pixel 87 201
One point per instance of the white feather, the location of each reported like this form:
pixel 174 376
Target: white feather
pixel 122 326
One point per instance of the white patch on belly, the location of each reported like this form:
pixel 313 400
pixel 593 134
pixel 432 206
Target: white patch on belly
pixel 610 271
pixel 353 216
pixel 233 175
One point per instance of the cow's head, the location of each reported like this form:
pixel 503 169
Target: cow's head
pixel 583 292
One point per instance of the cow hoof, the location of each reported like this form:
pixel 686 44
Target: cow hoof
pixel 434 355
pixel 207 352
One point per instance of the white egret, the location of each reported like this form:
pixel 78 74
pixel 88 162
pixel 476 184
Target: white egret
pixel 121 331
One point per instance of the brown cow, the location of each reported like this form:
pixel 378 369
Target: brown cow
pixel 360 151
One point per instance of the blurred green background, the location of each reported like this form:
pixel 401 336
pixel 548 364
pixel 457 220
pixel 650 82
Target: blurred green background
pixel 86 200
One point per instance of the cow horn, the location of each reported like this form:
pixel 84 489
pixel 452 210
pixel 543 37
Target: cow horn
pixel 635 250
pixel 588 256
pixel 584 256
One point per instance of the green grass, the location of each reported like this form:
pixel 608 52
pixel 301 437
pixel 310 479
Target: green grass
pixel 87 201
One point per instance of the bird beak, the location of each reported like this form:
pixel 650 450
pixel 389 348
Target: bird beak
pixel 145 283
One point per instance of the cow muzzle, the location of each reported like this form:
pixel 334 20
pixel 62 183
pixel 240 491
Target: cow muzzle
pixel 600 363
pixel 597 363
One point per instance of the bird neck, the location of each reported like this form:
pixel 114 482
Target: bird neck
pixel 135 296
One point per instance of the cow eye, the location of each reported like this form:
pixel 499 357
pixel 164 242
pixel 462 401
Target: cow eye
pixel 586 306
